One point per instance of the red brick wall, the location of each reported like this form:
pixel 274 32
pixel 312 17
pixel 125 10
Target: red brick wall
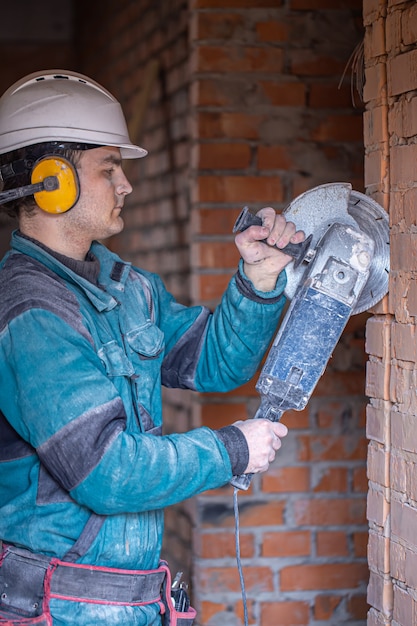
pixel 268 122
pixel 390 135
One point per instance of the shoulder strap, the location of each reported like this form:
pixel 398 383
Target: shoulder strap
pixel 85 540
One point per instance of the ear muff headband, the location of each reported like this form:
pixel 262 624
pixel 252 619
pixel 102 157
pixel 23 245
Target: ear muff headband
pixel 62 199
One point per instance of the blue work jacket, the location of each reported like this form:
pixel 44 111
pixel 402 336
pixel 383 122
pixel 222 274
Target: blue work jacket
pixel 81 371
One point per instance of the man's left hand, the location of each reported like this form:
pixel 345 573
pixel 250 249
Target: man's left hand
pixel 259 247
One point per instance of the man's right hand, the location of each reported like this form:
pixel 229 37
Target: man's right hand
pixel 264 439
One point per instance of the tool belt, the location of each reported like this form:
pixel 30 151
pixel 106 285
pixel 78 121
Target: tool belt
pixel 28 581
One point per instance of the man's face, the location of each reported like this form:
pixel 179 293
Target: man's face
pixel 103 188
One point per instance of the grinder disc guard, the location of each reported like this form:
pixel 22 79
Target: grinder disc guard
pixel 317 209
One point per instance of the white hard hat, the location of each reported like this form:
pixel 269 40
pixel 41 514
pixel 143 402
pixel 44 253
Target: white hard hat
pixel 57 105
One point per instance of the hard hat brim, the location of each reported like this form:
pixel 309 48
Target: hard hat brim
pixel 56 105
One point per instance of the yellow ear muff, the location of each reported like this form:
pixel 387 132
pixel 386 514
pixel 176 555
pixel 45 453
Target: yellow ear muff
pixel 63 198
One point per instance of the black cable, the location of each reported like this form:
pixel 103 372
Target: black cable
pixel 238 558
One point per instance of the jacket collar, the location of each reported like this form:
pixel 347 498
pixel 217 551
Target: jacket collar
pixel 112 277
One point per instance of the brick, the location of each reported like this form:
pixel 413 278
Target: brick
pixel 218 92
pixel 378 506
pixel 411 569
pixel 362 416
pixel 398 557
pixel 410 199
pixel 377 380
pixel 358 607
pixel 327 479
pixel 326 576
pixel 225 59
pixel 359 480
pixel 375 126
pixel 331 543
pixel 208 610
pixel 403 255
pixel 393 35
pixel 371 10
pixel 375 618
pixel 378 464
pixel 328 512
pixel 404 342
pixel 218 580
pixel 404 607
pixel 375 38
pixel 332 447
pixel 339 128
pixel 238 608
pixel 239 189
pixel 290 613
pixel 404 435
pixel 325 606
pixel 339 383
pixel 222 545
pixel 412 481
pixel 283 94
pixel 286 544
pixel 328 414
pixel 223 156
pixel 401 387
pixel 396 117
pixel 409 25
pixel 296 419
pixel 360 544
pixel 402 73
pixel 216 26
pixel 209 287
pixel 214 254
pixel 286 479
pixel 307 63
pixel 262 514
pixel 380 593
pixel 411 302
pixel 218 415
pixel 272 30
pixel 227 125
pixel 399 471
pixel 376 167
pixel 404 520
pixel 375 82
pixel 378 335
pixel 409 118
pixel 274 157
pixel 324 96
pixel 213 220
pixel 378 552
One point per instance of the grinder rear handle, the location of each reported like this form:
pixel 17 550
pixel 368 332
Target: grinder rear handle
pixel 298 251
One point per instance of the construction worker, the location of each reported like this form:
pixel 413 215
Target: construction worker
pixel 86 342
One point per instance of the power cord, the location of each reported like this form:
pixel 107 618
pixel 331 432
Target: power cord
pixel 238 557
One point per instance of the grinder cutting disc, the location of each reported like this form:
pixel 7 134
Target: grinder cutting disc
pixel 315 210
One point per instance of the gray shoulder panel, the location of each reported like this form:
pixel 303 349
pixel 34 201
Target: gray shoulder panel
pixel 26 284
pixel 180 365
